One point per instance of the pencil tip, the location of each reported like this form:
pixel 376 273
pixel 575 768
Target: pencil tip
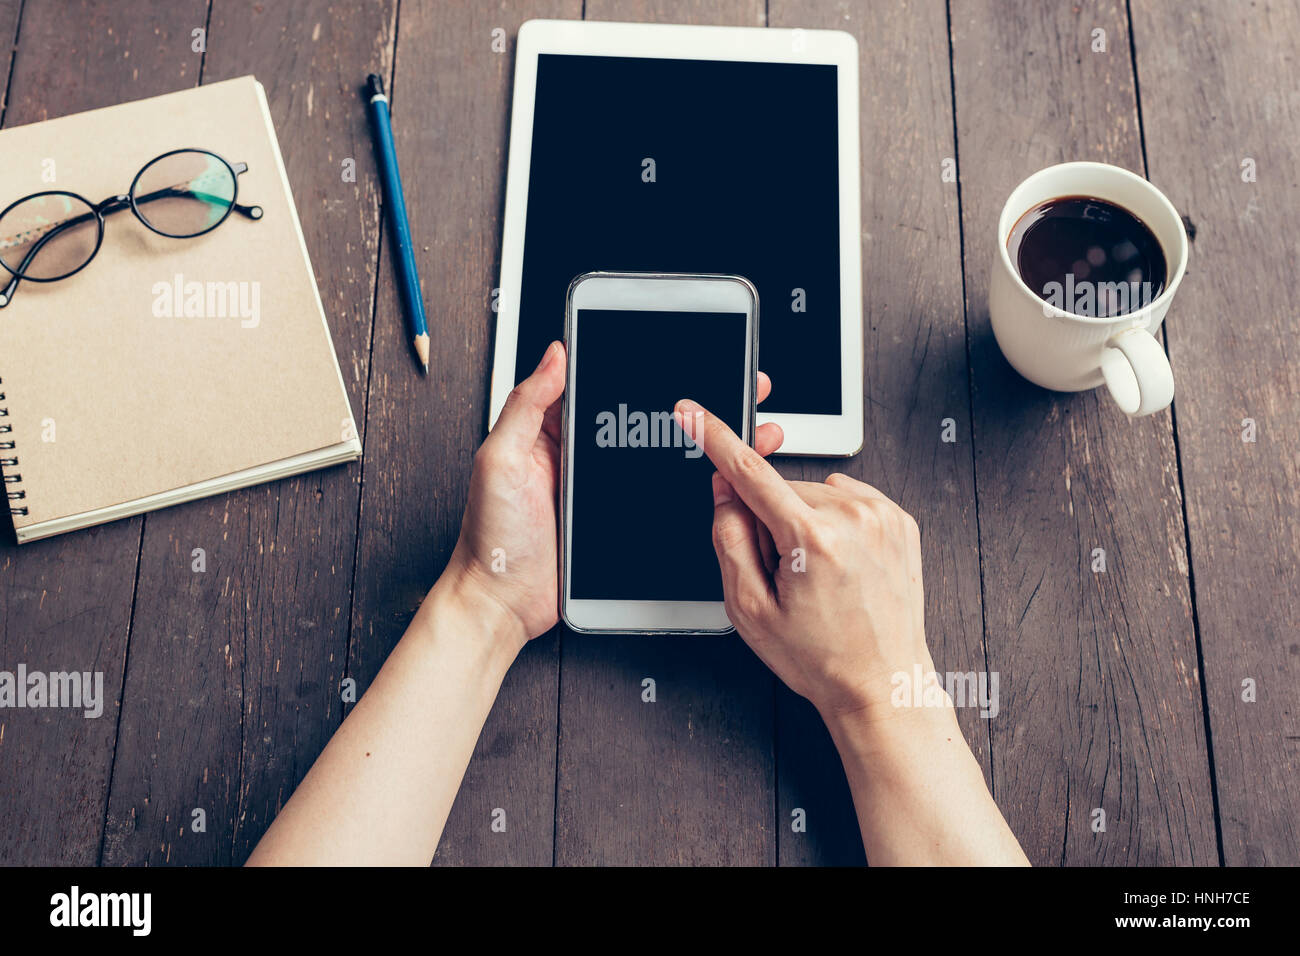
pixel 422 350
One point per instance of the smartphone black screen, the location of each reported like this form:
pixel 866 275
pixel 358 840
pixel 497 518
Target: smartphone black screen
pixel 642 500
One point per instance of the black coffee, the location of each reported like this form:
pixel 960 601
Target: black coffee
pixel 1088 256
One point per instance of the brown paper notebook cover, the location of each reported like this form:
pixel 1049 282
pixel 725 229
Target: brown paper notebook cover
pixel 117 407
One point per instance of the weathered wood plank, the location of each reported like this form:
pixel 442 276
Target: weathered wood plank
pixel 1218 88
pixel 915 379
pixel 730 13
pixel 451 98
pixel 1100 699
pixel 233 684
pixel 689 778
pixel 10 12
pixel 65 603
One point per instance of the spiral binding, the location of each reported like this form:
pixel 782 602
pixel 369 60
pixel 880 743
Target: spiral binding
pixel 10 461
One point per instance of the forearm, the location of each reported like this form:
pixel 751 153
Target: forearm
pixel 919 792
pixel 381 790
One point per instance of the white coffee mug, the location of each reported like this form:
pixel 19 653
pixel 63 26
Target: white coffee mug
pixel 1070 352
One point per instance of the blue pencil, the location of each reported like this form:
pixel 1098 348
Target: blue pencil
pixel 408 279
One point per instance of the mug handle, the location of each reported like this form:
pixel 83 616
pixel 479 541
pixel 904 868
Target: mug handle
pixel 1137 372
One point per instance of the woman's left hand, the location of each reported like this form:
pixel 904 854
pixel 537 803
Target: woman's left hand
pixel 506 556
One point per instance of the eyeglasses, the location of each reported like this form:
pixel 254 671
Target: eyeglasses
pixel 52 235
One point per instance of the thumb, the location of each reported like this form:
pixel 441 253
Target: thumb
pixel 745 582
pixel 520 421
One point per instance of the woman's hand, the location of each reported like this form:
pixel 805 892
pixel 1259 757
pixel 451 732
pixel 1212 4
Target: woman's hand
pixel 823 581
pixel 506 556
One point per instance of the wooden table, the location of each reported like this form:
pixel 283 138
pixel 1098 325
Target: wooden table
pixel 1120 691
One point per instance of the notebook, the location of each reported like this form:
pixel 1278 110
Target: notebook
pixel 167 369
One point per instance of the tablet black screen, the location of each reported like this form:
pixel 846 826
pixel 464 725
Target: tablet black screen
pixel 642 500
pixel 745 181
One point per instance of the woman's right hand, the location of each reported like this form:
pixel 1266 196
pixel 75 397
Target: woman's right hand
pixel 823 581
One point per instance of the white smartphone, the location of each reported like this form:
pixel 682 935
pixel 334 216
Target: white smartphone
pixel 636 509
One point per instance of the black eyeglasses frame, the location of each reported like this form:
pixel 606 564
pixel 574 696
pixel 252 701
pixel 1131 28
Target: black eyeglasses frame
pixel 117 203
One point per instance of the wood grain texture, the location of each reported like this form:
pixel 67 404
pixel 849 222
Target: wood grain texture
pixel 1218 85
pixel 915 373
pixel 10 13
pixel 65 603
pixel 225 685
pixel 233 685
pixel 1100 698
pixel 689 778
pixel 728 13
pixel 450 100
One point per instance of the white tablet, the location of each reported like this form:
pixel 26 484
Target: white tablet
pixel 654 148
